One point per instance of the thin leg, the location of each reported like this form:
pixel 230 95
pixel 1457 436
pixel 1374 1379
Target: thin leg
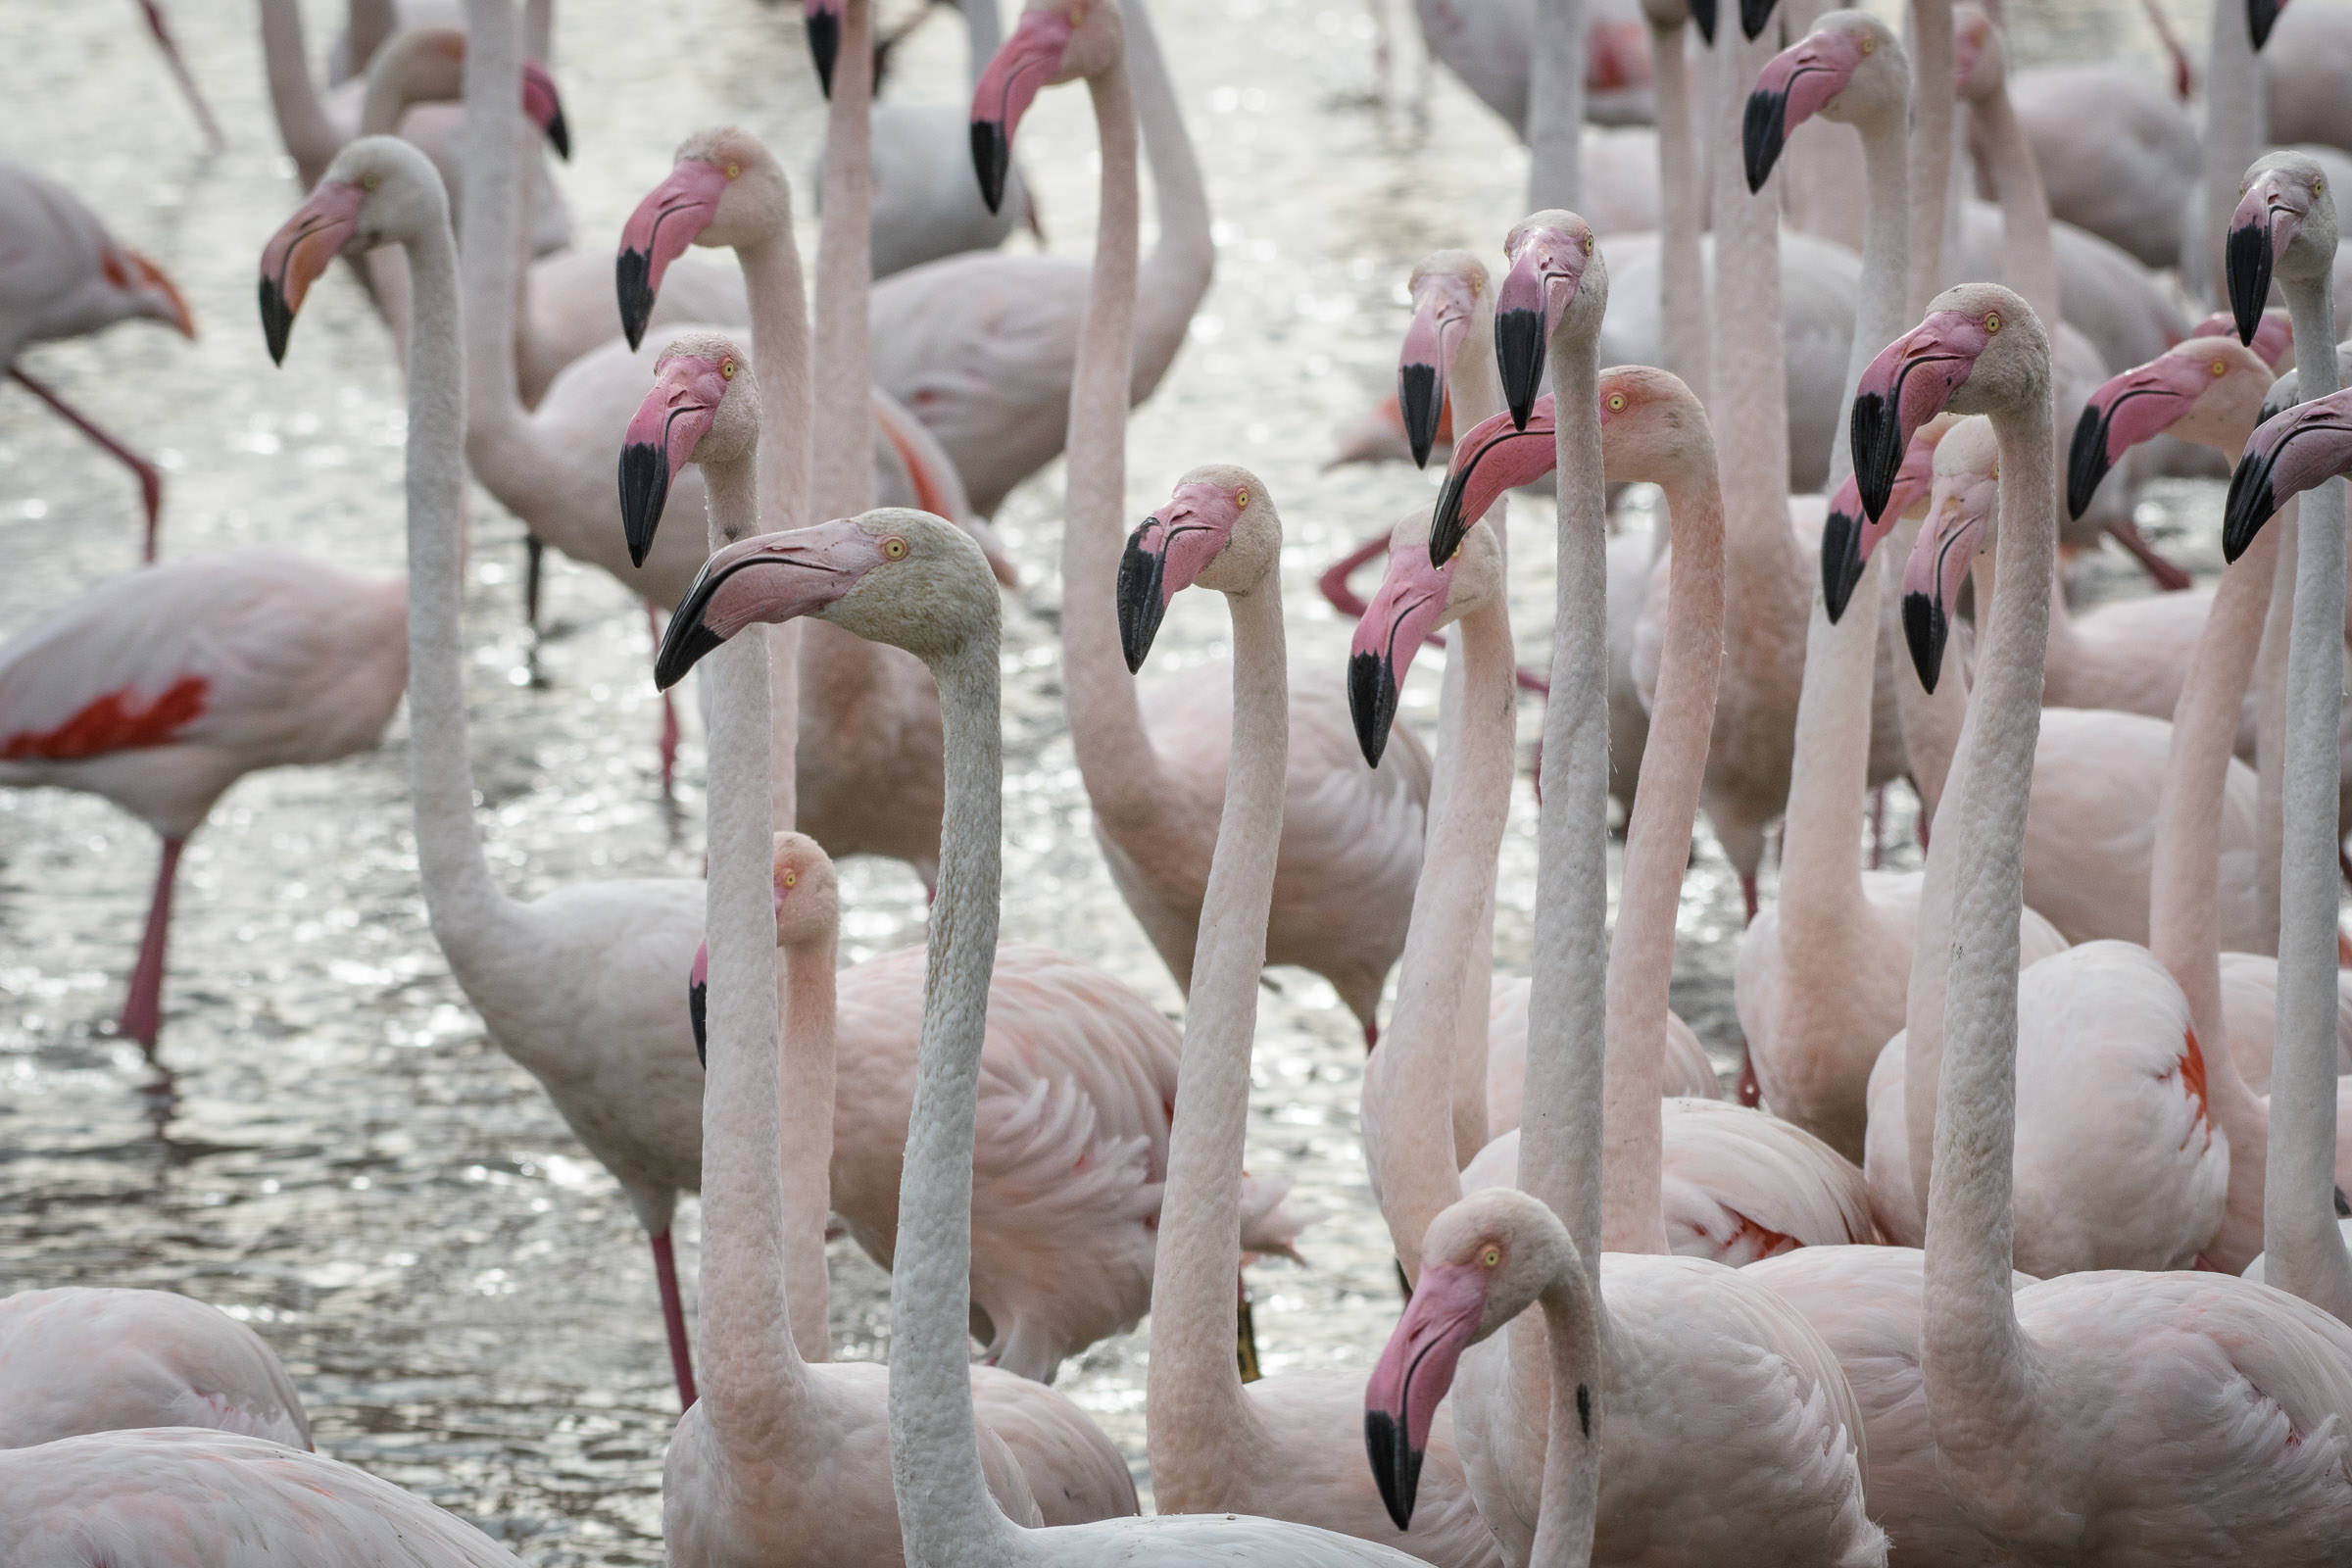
pixel 673 1318
pixel 1245 1331
pixel 1750 1093
pixel 151 481
pixel 179 74
pixel 1747 895
pixel 1878 827
pixel 1333 585
pixel 669 720
pixel 534 558
pixel 2167 576
pixel 143 1012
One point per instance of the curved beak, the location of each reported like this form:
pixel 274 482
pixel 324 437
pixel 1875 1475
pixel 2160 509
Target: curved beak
pixel 1429 344
pixel 2261 16
pixel 661 440
pixel 669 218
pixel 2274 337
pixel 299 252
pixel 1165 555
pixel 2288 453
pixel 698 1002
pixel 158 283
pixel 1537 291
pixel 1494 457
pixel 545 107
pixel 2268 218
pixel 1753 14
pixel 1026 62
pixel 1903 388
pixel 1405 609
pixel 823 21
pixel 1791 90
pixel 1414 1373
pixel 771 579
pixel 1703 12
pixel 1849 536
pixel 1932 577
pixel 2135 407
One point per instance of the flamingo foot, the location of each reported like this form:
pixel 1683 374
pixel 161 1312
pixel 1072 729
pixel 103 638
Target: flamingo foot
pixel 673 1318
pixel 143 1010
pixel 1749 1092
pixel 2167 576
pixel 1245 1332
pixel 151 479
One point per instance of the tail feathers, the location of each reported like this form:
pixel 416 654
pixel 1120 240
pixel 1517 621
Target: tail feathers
pixel 1270 1226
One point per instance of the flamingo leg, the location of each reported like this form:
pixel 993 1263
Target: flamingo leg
pixel 1878 827
pixel 179 74
pixel 143 1010
pixel 151 481
pixel 534 559
pixel 1245 1331
pixel 1333 585
pixel 674 1317
pixel 2167 576
pixel 669 720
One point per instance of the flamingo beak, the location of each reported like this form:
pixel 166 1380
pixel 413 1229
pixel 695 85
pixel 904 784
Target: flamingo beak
pixel 2135 407
pixel 1703 12
pixel 2288 453
pixel 1166 555
pixel 1547 264
pixel 771 579
pixel 1403 614
pixel 698 1002
pixel 1753 14
pixel 1842 552
pixel 183 320
pixel 1931 578
pixel 2261 16
pixel 1414 1373
pixel 2268 218
pixel 1429 344
pixel 1903 388
pixel 661 437
pixel 545 107
pixel 673 216
pixel 1026 62
pixel 1494 457
pixel 299 252
pixel 823 21
pixel 1791 90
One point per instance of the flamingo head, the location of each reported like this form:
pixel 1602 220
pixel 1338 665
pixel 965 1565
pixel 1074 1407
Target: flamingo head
pixel 1494 455
pixel 1653 430
pixel 1979 347
pixel 1980 56
pixel 1219 529
pixel 2274 340
pixel 544 107
pixel 1054 42
pixel 1849 536
pixel 2285 225
pixel 807 893
pixel 725 188
pixel 378 188
pixel 2261 16
pixel 1557 277
pixel 1483 1262
pixel 2208 390
pixel 702 408
pixel 1417 597
pixel 427 65
pixel 822 18
pixel 2288 453
pixel 1960 510
pixel 1849 68
pixel 891 576
pixel 1449 290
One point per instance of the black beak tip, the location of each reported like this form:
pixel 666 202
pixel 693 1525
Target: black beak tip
pixel 558 136
pixel 1925 628
pixel 683 646
pixel 1878 452
pixel 2249 507
pixel 1840 561
pixel 1753 14
pixel 2085 462
pixel 2261 16
pixel 1519 357
pixel 1396 1467
pixel 992 159
pixel 632 280
pixel 1420 400
pixel 644 491
pixel 1141 603
pixel 1446 525
pixel 2246 264
pixel 1763 130
pixel 278 320
pixel 1371 704
pixel 824 46
pixel 697 1013
pixel 1703 12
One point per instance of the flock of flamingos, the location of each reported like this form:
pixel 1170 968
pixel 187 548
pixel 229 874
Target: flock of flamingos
pixel 2022 1244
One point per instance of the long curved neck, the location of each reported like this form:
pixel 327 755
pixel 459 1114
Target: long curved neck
pixel 2270 727
pixel 983 30
pixel 2236 130
pixel 1199 1421
pixel 944 1511
pixel 301 124
pixel 1934 109
pixel 1657 849
pixel 1176 275
pixel 752 1369
pixel 1555 106
pixel 493 201
pixel 2185 926
pixel 367 24
pixel 462 898
pixel 771 284
pixel 1570 1506
pixel 1750 411
pixel 2028 254
pixel 845 260
pixel 391 88
pixel 1978 1365
pixel 1687 337
pixel 1106 722
pixel 1821 856
pixel 1408 1136
pixel 1560 1125
pixel 2307 1255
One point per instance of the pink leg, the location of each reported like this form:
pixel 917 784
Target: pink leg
pixel 143 1012
pixel 2167 576
pixel 179 72
pixel 669 718
pixel 1750 1093
pixel 1371 1035
pixel 151 482
pixel 1333 585
pixel 1747 895
pixel 1878 827
pixel 673 1318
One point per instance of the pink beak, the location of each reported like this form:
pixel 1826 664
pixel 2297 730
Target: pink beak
pixel 1791 90
pixel 1932 577
pixel 1496 456
pixel 1547 266
pixel 545 107
pixel 2288 453
pixel 299 252
pixel 1904 387
pixel 2137 406
pixel 1166 555
pixel 2274 337
pixel 1414 1373
pixel 773 579
pixel 1401 615
pixel 1025 63
pixel 2268 218
pixel 661 440
pixel 1430 345
pixel 673 216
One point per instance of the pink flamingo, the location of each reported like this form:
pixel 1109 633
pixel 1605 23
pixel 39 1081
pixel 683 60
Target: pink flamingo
pixel 1343 884
pixel 75 1362
pixel 63 275
pixel 2235 1396
pixel 181 1495
pixel 160 688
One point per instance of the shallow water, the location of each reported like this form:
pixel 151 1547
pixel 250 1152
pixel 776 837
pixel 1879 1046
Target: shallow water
pixel 340 1156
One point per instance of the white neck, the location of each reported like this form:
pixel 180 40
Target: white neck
pixel 2270 728
pixel 493 203
pixel 2029 258
pixel 1934 109
pixel 367 25
pixel 1570 1503
pixel 1555 106
pixel 1196 1414
pixel 310 137
pixel 1685 320
pixel 1750 409
pixel 844 429
pixel 1657 849
pixel 2307 1254
pixel 1977 1364
pixel 2236 130
pixel 983 30
pixel 1176 275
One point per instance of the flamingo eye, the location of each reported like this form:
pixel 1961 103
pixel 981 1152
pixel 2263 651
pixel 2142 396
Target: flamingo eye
pixel 370 181
pixel 895 547
pixel 1587 244
pixel 1869 45
pixel 1241 497
pixel 792 879
pixel 2219 368
pixel 2316 186
pixel 726 370
pixel 1490 1258
pixel 1992 321
pixel 1616 403
pixel 734 170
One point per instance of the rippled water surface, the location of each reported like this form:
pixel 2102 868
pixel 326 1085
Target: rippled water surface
pixel 340 1156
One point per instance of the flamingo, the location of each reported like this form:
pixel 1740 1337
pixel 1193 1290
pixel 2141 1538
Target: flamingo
pixel 177 1494
pixel 76 1362
pixel 2111 1416
pixel 923 584
pixel 1343 884
pixel 2312 46
pixel 63 275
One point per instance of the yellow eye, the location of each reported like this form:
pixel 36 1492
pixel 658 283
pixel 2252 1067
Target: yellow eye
pixel 895 547
pixel 1491 1256
pixel 1587 244
pixel 2219 368
pixel 1992 321
pixel 792 879
pixel 1241 497
pixel 726 370
pixel 734 170
pixel 2316 186
pixel 370 181
pixel 1869 45
pixel 1616 403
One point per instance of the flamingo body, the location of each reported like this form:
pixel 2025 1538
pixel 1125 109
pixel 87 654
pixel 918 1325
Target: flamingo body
pixel 76 1362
